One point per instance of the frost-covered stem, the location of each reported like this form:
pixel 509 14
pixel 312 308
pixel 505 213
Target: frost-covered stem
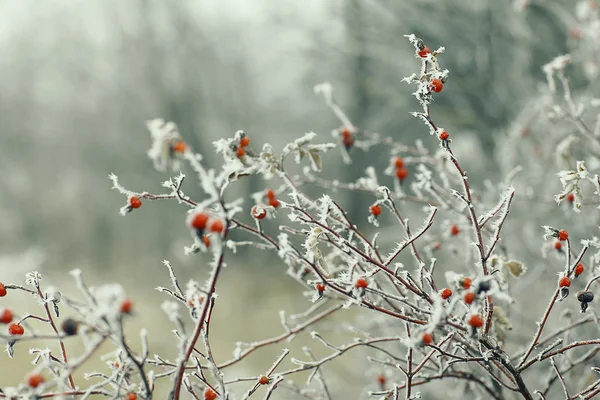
pixel 138 364
pixel 560 351
pixel 200 324
pixel 63 349
pixel 500 224
pixel 292 332
pixel 560 378
pixel 274 385
pixel 260 234
pixel 409 369
pixel 537 335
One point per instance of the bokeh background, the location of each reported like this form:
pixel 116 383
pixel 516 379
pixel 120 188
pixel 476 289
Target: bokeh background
pixel 78 79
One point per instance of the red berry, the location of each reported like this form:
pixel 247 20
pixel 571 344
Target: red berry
pixel 437 85
pixel 240 152
pixel 274 203
pixel 270 193
pixel 320 287
pixel 135 202
pixel 199 221
pixel 2 290
pixel 180 147
pixel 401 173
pixel 454 230
pixel 398 162
pixel 563 235
pixel 16 329
pixel 131 396
pixel 361 283
pixel 571 197
pixel 6 316
pixel 263 380
pixel 35 380
pixel 258 212
pixel 209 394
pixel 346 134
pixel 205 240
pixel 564 282
pixel 437 245
pixel 423 52
pixel 466 283
pixel 579 270
pixel 245 141
pixel 476 321
pixel 558 245
pixel 444 135
pixel 375 209
pixel 126 306
pixel 381 379
pixel 445 293
pixel 469 297
pixel 348 141
pixel 427 338
pixel 217 226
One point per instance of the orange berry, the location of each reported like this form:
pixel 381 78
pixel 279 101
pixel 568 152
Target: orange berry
pixel 126 306
pixel 135 202
pixel 346 134
pixel 401 173
pixel 209 394
pixel 205 240
pixel 571 197
pixel 423 52
pixel 217 226
pixel 454 230
pixel 6 316
pixel 320 287
pixel 240 152
pixel 2 290
pixel 263 380
pixel 469 297
pixel 427 338
pixel 437 85
pixel 445 293
pixel 199 221
pixel 180 147
pixel 274 203
pixel 475 321
pixel 579 270
pixel 244 141
pixel 361 283
pixel 35 380
pixel 563 235
pixel 258 212
pixel 16 329
pixel 348 141
pixel 436 245
pixel 375 209
pixel 564 282
pixel 444 135
pixel 558 245
pixel 270 193
pixel 466 283
pixel 131 396
pixel 398 162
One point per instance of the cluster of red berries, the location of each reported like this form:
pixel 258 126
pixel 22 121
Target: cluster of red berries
pixel 272 198
pixel 203 221
pixel 401 171
pixel 347 138
pixel 240 149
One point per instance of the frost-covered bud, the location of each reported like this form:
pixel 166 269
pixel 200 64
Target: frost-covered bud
pixel 585 297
